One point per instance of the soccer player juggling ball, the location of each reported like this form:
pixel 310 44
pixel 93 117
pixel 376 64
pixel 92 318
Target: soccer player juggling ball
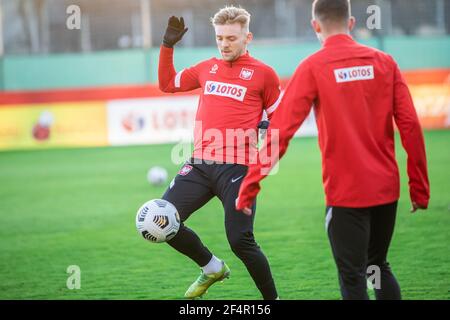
pixel 356 93
pixel 235 90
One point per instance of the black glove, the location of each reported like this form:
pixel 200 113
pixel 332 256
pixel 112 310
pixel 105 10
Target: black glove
pixel 174 32
pixel 264 124
pixel 262 131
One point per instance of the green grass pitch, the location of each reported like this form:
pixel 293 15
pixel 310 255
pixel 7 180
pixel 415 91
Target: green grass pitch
pixel 66 207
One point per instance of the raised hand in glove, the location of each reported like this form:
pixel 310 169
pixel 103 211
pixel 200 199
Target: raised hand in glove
pixel 174 32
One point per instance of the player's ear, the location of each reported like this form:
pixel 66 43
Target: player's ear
pixel 316 26
pixel 351 23
pixel 249 37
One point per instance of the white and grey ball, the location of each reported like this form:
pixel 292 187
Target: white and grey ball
pixel 157 220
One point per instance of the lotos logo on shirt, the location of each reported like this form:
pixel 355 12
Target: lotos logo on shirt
pixel 354 74
pixel 225 90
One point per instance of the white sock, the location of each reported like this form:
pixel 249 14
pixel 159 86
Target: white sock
pixel 214 265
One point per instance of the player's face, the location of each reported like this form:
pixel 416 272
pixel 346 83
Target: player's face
pixel 232 40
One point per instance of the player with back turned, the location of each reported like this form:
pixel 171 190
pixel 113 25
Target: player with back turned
pixel 235 90
pixel 356 93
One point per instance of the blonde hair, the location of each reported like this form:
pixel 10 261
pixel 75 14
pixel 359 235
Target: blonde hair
pixel 231 15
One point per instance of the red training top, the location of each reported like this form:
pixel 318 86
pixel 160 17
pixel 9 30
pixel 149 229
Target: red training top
pixel 232 100
pixel 356 92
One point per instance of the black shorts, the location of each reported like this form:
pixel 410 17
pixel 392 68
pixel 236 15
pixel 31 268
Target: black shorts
pixel 197 183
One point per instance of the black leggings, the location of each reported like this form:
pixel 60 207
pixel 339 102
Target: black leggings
pixel 360 239
pixel 192 188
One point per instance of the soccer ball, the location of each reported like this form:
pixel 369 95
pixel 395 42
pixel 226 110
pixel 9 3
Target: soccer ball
pixel 157 220
pixel 157 176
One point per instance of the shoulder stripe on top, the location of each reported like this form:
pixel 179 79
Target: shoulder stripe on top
pixel 273 107
pixel 178 79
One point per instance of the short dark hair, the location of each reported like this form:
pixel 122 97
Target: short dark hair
pixel 333 11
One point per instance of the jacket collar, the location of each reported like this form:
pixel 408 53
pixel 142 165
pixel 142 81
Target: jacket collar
pixel 242 59
pixel 338 39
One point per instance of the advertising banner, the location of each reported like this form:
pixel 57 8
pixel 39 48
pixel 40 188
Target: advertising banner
pixel 432 103
pixel 151 120
pixel 53 125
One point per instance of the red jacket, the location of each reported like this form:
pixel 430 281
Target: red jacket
pixel 234 95
pixel 355 91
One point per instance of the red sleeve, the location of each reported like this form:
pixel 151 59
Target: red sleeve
pixel 169 79
pixel 294 107
pixel 412 140
pixel 272 92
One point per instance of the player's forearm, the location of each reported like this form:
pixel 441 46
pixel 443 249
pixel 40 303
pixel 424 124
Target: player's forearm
pixel 284 124
pixel 412 140
pixel 166 70
pixel 414 144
